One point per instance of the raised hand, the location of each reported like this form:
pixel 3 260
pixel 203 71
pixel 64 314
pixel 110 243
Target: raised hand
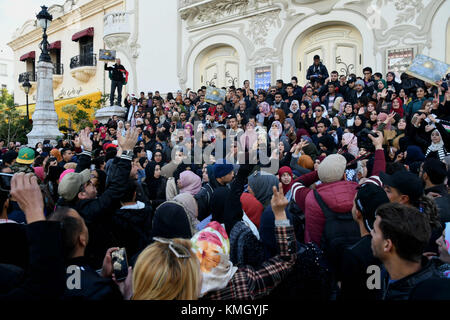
pixel 279 202
pixel 85 140
pixel 26 192
pixel 128 142
pixel 377 141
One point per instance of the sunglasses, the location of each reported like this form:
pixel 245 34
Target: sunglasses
pixel 318 110
pixel 178 250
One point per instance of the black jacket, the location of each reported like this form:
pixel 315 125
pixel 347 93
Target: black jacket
pixel 131 228
pixel 45 277
pixel 314 71
pixel 116 74
pixel 353 274
pixel 443 202
pixel 92 285
pixel 401 289
pixel 97 213
pixel 14 249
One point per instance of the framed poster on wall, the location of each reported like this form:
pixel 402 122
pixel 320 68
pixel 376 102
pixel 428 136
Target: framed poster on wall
pixel 263 78
pixel 398 60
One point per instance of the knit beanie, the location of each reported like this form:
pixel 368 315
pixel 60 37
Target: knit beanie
pixel 332 168
pixel 222 168
pixel 306 162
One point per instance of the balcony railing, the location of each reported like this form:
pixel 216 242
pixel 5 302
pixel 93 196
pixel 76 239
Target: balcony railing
pixel 87 60
pixel 116 23
pixel 30 75
pixel 58 69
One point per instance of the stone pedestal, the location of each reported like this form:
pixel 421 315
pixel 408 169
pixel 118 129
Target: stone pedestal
pixel 45 119
pixel 104 114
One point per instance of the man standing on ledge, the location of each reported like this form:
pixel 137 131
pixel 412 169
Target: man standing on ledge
pixel 118 79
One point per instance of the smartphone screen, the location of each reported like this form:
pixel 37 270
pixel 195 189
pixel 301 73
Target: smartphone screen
pixel 120 264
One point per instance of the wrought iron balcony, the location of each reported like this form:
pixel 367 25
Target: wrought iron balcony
pixel 30 75
pixel 58 69
pixel 87 60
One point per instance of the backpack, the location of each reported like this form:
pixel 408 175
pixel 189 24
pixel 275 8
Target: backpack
pixel 298 220
pixel 340 232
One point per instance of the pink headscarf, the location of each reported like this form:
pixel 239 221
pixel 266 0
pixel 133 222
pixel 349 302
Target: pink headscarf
pixel 383 116
pixel 191 183
pixel 351 141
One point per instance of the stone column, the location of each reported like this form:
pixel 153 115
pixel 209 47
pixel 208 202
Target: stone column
pixel 45 119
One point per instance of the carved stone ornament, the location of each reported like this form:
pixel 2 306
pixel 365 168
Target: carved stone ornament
pixel 260 25
pixel 84 74
pixel 218 9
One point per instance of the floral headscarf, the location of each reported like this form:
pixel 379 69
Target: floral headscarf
pixel 265 108
pixel 212 248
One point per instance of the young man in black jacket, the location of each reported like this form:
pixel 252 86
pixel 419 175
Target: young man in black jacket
pixel 358 258
pixel 117 81
pixel 317 71
pixel 399 237
pixel 77 192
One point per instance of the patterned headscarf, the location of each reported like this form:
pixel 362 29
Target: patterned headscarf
pixel 212 248
pixel 265 108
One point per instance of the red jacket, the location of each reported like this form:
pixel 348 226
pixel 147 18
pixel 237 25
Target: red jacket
pixel 337 195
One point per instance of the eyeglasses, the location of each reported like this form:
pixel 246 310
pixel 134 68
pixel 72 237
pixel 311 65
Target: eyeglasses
pixel 318 110
pixel 178 250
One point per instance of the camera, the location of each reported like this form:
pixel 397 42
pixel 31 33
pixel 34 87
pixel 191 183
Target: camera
pixel 5 181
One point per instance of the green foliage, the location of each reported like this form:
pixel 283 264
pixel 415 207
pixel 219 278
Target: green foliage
pixel 13 126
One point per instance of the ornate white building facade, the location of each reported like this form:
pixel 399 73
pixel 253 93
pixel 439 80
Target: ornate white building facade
pixel 180 44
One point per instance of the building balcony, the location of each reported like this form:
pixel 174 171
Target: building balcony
pixel 116 28
pixel 30 75
pixel 31 78
pixel 83 67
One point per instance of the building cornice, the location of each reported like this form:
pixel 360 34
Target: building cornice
pixel 60 23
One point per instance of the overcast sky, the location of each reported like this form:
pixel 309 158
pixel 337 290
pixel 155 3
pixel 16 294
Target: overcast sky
pixel 14 13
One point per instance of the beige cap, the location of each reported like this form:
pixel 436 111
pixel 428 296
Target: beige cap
pixel 332 168
pixel 71 183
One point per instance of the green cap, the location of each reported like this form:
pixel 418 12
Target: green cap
pixel 26 156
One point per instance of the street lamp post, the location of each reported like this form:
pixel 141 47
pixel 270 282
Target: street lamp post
pixel 26 87
pixel 45 118
pixel 44 19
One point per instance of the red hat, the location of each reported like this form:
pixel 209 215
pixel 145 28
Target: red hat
pixel 106 146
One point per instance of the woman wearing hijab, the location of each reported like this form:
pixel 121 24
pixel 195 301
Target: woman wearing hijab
pixel 436 149
pixel 121 128
pixel 327 145
pixel 189 204
pixel 189 182
pixel 350 144
pixel 359 124
pixel 156 184
pixel 260 185
pixel 276 130
pixel 287 179
pixel 397 107
pixel 347 118
pixel 294 112
pixel 414 158
pixel 264 113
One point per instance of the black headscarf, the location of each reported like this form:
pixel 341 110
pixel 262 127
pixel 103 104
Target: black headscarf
pixel 328 142
pixel 357 129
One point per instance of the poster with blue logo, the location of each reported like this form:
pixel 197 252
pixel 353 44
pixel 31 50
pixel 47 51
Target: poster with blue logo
pixel 263 78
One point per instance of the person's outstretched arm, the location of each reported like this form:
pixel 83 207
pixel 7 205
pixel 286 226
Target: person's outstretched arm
pixel 46 278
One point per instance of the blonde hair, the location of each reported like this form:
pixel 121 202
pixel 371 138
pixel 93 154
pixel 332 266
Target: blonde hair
pixel 160 275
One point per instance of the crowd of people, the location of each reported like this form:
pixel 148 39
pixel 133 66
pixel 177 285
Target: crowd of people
pixel 347 198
